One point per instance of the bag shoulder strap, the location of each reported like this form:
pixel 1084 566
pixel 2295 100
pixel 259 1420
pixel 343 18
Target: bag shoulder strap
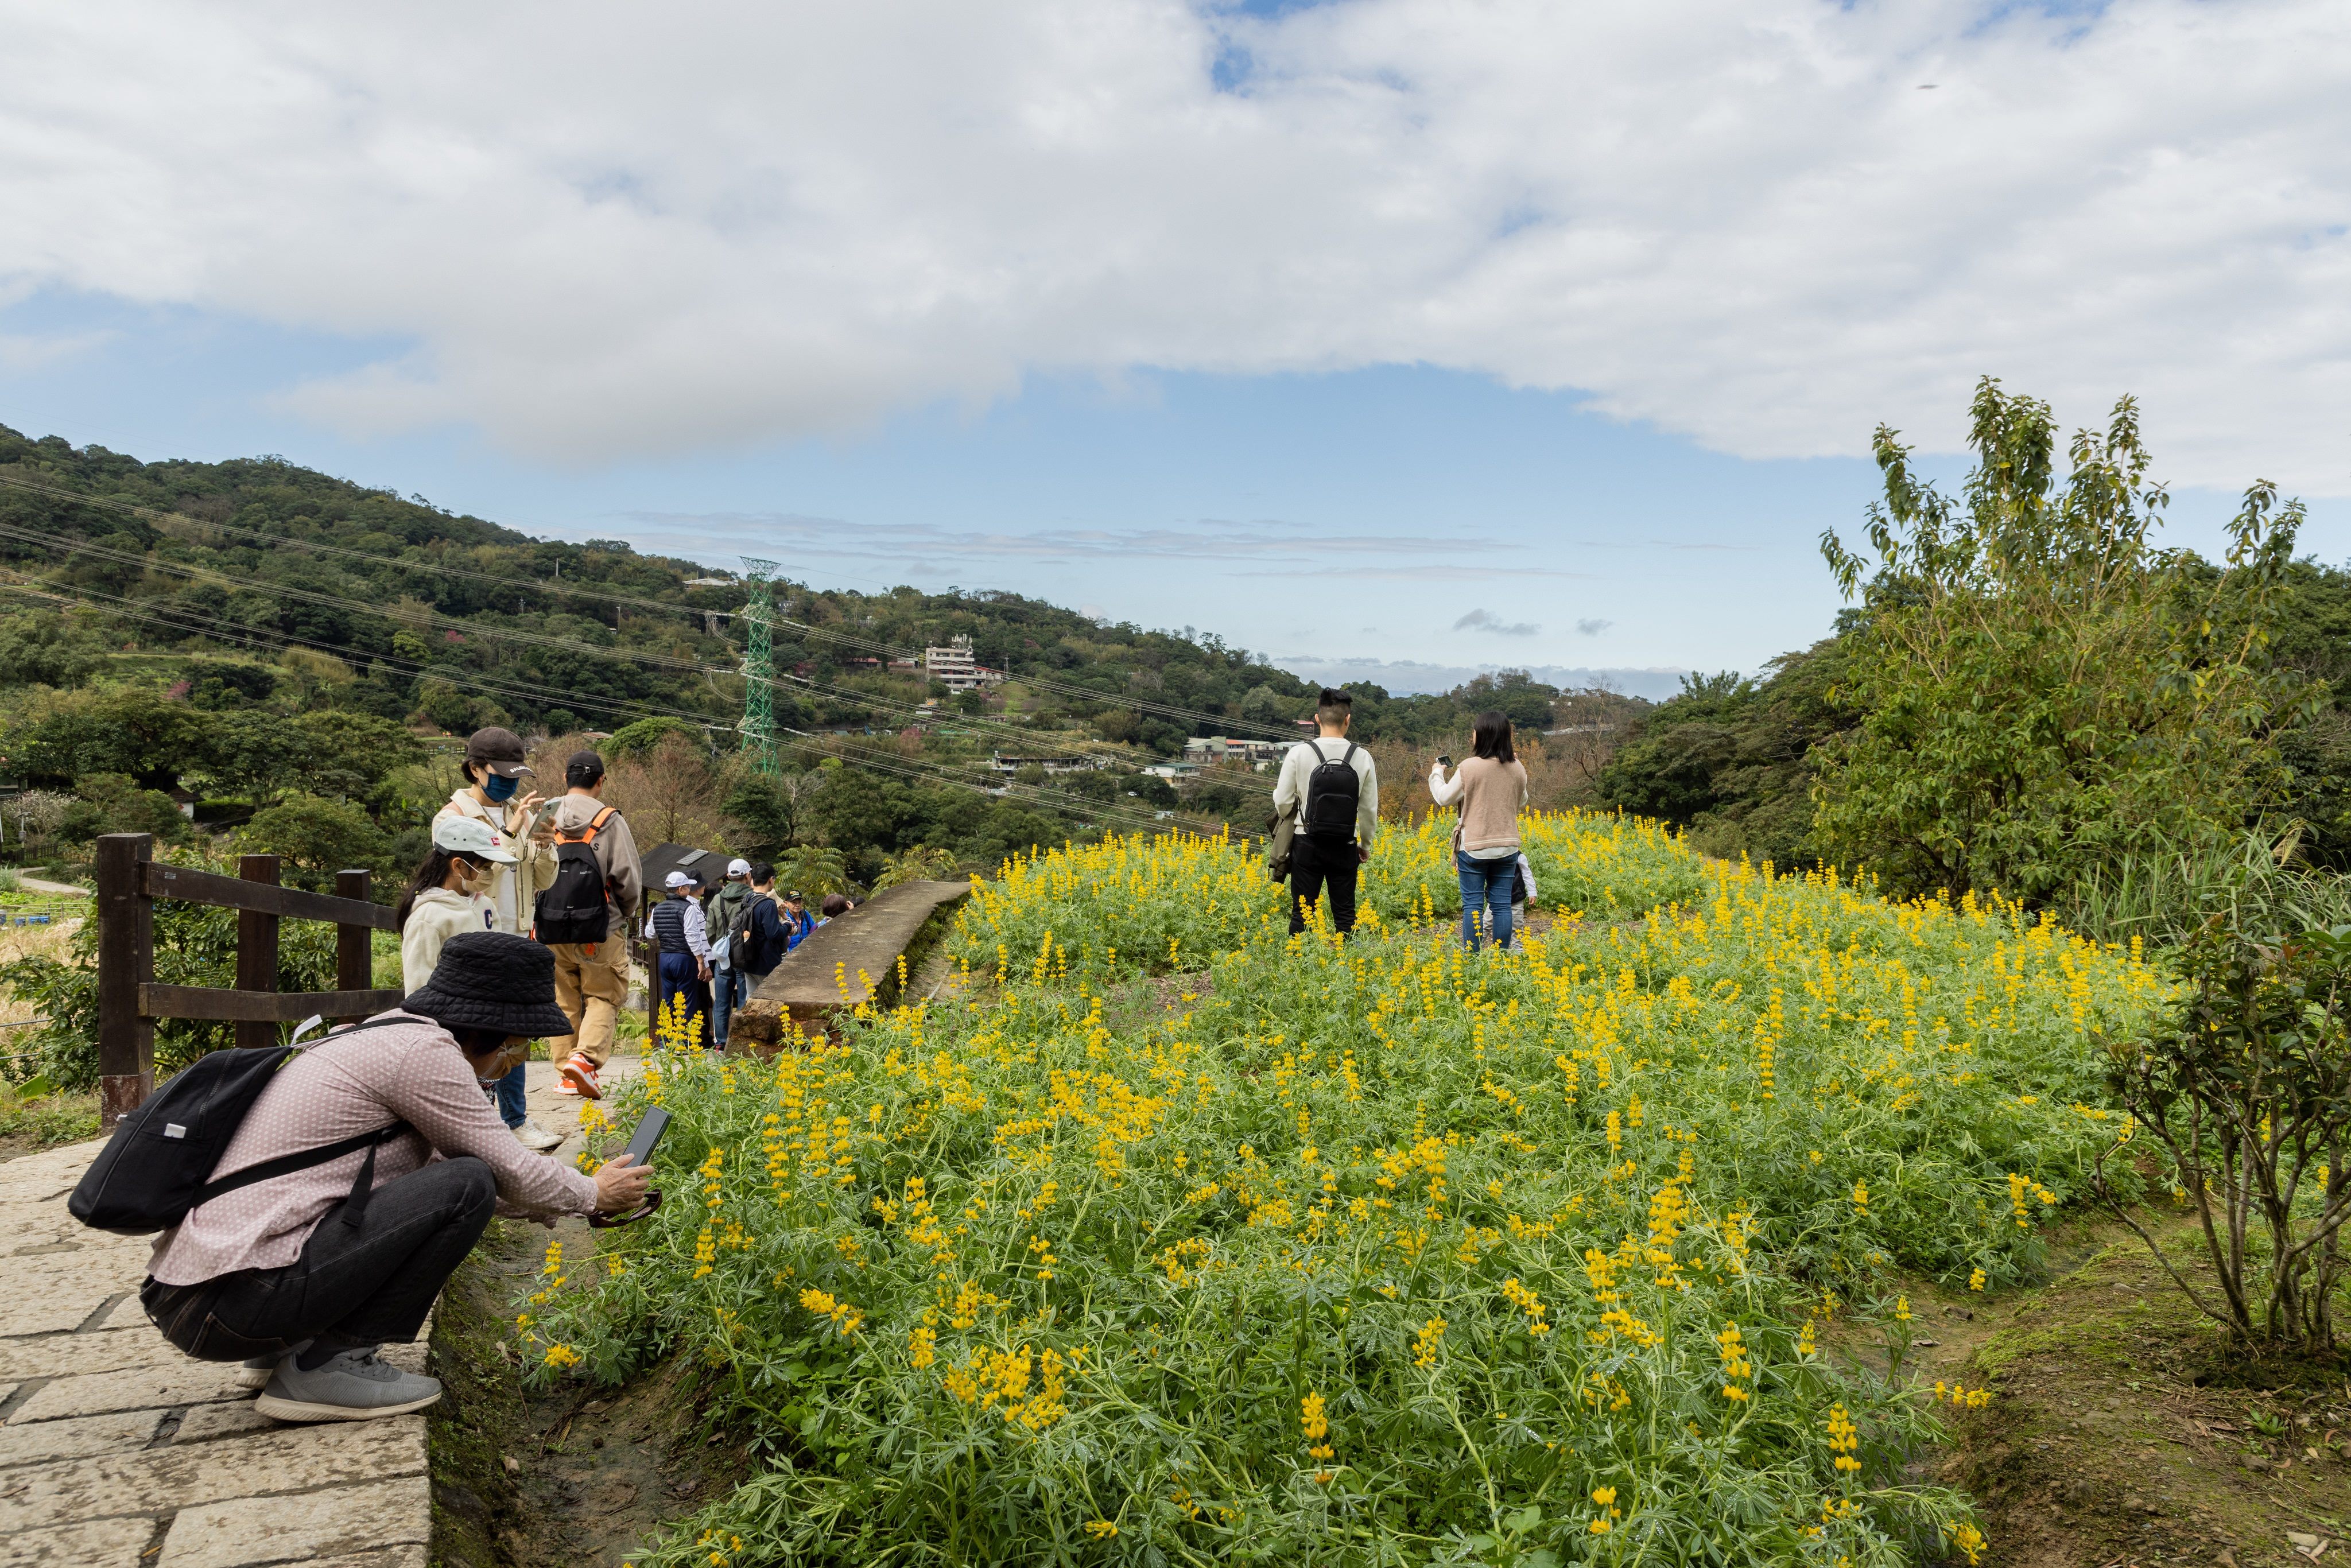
pixel 301 1160
pixel 1349 756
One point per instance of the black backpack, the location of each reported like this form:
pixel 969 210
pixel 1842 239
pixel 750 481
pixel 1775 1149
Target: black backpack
pixel 740 937
pixel 576 906
pixel 153 1170
pixel 1332 793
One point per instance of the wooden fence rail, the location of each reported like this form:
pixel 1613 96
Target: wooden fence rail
pixel 130 880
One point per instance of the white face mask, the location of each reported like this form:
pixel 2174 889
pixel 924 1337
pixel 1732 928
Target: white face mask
pixel 472 882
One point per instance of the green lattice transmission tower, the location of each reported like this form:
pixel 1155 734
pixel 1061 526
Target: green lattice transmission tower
pixel 759 666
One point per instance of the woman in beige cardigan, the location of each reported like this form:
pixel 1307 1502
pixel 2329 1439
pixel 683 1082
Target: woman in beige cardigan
pixel 1491 786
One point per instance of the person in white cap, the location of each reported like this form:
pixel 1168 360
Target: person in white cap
pixel 681 949
pixel 448 896
pixel 725 914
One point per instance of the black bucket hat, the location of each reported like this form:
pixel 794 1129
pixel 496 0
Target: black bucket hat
pixel 487 979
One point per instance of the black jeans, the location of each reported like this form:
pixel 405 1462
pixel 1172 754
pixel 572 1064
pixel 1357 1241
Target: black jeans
pixel 358 1284
pixel 1317 863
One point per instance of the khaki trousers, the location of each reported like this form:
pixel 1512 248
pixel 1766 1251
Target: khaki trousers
pixel 591 986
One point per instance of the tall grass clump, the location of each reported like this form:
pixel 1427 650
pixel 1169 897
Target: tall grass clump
pixel 1375 1252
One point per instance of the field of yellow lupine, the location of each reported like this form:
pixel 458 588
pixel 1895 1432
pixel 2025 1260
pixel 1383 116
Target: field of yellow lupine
pixel 1375 1252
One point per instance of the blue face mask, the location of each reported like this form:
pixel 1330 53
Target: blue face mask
pixel 498 788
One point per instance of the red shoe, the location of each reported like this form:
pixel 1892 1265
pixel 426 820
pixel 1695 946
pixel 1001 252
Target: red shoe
pixel 579 1077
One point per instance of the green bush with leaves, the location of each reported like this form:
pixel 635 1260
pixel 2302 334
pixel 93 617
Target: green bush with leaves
pixel 2040 690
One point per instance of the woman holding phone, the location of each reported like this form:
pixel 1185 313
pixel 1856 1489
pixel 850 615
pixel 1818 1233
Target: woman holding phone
pixel 305 1275
pixel 1491 787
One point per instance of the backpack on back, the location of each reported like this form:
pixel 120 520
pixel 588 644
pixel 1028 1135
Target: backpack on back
pixel 740 938
pixel 153 1170
pixel 576 906
pixel 1333 794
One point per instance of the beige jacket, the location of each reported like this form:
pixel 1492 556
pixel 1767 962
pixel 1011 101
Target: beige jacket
pixel 1490 794
pixel 514 889
pixel 435 916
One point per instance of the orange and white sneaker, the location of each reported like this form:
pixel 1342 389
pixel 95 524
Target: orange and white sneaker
pixel 579 1077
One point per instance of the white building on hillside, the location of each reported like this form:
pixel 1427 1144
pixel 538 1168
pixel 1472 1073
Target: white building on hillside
pixel 955 668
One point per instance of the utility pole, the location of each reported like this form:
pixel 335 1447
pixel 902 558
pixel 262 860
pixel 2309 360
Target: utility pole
pixel 760 667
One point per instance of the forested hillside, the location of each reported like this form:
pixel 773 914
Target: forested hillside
pixel 252 637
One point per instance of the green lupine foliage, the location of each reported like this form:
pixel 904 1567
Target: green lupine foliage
pixel 1370 1252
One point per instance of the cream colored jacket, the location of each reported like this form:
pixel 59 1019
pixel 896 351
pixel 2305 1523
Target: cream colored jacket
pixel 435 916
pixel 514 889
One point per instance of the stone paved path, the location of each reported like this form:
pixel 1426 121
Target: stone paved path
pixel 117 1451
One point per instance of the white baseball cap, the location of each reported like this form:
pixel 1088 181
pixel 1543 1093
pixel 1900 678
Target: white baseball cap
pixel 472 836
pixel 677 879
pixel 739 868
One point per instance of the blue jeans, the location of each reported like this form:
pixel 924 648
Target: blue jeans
pixel 678 974
pixel 729 989
pixel 508 1096
pixel 1486 885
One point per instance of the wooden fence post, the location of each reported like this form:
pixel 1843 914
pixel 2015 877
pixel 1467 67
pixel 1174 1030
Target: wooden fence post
pixel 126 961
pixel 257 948
pixel 354 955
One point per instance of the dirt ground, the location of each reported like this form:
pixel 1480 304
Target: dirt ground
pixel 2124 1430
pixel 578 1477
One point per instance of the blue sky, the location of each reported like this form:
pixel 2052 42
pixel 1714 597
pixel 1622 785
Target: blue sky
pixel 1545 335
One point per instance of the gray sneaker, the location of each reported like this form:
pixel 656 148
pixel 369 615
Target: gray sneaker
pixel 355 1385
pixel 255 1373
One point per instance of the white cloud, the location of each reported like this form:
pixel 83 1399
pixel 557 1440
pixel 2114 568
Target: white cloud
pixel 608 232
pixel 1593 627
pixel 1487 621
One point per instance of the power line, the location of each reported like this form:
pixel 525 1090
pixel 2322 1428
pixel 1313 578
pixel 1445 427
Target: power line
pixel 909 769
pixel 461 627
pixel 1043 684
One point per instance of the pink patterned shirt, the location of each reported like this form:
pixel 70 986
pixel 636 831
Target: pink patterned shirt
pixel 338 1089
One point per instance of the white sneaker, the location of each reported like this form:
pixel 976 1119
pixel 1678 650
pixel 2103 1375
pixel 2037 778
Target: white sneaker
pixel 533 1136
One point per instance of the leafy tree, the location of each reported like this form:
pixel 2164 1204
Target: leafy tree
pixel 813 871
pixel 114 803
pixel 764 812
pixel 640 738
pixel 923 862
pixel 131 730
pixel 45 650
pixel 2039 689
pixel 1730 758
pixel 318 837
pixel 2249 1093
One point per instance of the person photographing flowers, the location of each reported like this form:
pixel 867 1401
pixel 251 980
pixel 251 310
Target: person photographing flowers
pixel 304 1275
pixel 1490 789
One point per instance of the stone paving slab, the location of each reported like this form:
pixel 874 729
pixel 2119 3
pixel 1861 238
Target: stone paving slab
pixel 226 1419
pixel 123 1431
pixel 158 1481
pixel 160 1388
pixel 301 1528
pixel 67 1355
pixel 96 1543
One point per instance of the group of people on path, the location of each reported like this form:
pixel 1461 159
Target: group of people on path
pixel 1327 796
pixel 566 873
pixel 392 1142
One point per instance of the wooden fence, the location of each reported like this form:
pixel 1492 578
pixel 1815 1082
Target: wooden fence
pixel 129 1001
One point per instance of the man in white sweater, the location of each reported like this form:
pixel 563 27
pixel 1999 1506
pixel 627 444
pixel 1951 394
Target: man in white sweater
pixel 1338 817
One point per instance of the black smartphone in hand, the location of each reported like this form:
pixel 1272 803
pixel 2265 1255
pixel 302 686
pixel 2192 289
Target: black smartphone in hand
pixel 1444 762
pixel 648 1132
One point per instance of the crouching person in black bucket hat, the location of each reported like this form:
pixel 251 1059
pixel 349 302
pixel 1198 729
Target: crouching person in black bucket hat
pixel 303 1275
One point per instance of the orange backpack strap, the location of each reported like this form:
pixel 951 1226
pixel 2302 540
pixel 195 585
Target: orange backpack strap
pixel 587 835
